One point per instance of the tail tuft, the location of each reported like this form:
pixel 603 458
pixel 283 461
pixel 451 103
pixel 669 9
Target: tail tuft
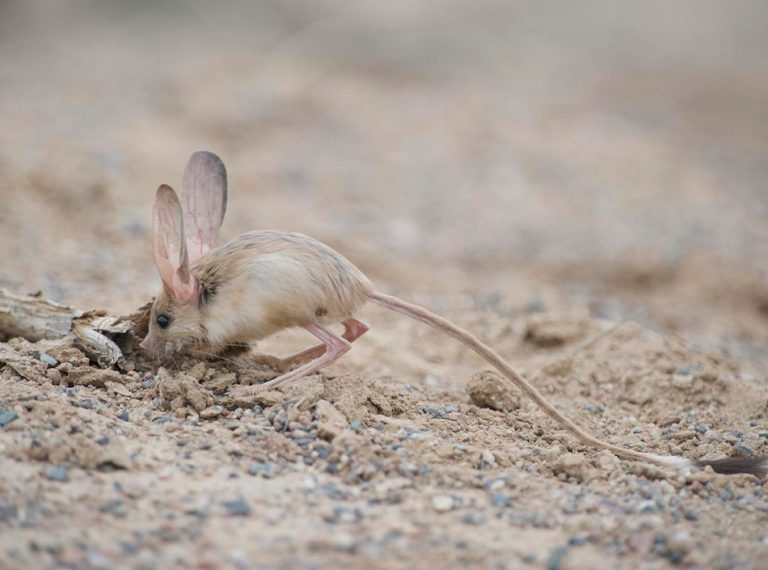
pixel 757 466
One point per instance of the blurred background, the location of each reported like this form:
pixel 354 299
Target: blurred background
pixel 602 157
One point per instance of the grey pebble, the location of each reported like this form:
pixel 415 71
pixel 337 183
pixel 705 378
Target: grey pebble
pixel 263 469
pixel 164 420
pixel 59 474
pixel 123 416
pixel 535 305
pixel 115 507
pixel 345 515
pixel 237 507
pixel 129 547
pixel 433 411
pixel 149 382
pixel 743 450
pixel 556 557
pixel 355 425
pixel 7 511
pixel 87 404
pixel 7 417
pixel 500 500
pixel 475 519
pixel 48 359
pixel 592 408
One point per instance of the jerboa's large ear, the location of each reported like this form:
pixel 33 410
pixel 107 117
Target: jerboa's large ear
pixel 170 249
pixel 204 202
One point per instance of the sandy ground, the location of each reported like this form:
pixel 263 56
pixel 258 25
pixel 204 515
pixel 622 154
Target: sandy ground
pixel 583 189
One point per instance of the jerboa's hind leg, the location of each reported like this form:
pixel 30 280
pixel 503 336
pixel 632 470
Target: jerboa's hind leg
pixel 353 329
pixel 334 347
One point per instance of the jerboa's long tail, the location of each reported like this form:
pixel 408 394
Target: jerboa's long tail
pixel 755 465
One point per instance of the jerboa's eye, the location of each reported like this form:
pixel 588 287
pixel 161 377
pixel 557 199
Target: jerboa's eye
pixel 163 321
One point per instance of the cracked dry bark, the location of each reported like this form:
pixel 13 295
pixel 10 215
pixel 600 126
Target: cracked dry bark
pixel 103 337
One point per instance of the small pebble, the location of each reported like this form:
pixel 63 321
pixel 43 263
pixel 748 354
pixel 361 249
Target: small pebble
pixel 442 503
pixel 237 508
pixel 123 416
pixel 115 507
pixel 433 411
pixel 211 412
pixel 165 419
pixel 7 417
pixel 475 519
pixel 500 500
pixel 48 359
pixel 263 469
pixel 355 425
pixel 555 560
pixel 7 511
pixel 59 474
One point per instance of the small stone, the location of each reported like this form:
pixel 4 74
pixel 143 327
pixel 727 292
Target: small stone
pixel 115 507
pixel 548 332
pixel 330 421
pixel 535 304
pixel 118 389
pixel 59 474
pixel 433 411
pixel 682 381
pixel 500 500
pixel 7 417
pixel 211 412
pixel 123 416
pixel 607 461
pixel 487 389
pixel 743 450
pixel 571 464
pixel 8 511
pixel 680 541
pixel 48 359
pixel 442 503
pixel 356 425
pixel 264 469
pixel 88 376
pixel 165 419
pixel 556 557
pixel 487 459
pixel 690 515
pixel 473 518
pixel 237 507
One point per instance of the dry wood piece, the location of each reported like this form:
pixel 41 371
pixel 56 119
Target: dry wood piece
pixel 102 337
pixel 33 317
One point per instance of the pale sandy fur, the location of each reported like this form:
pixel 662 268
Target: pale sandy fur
pixel 265 281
